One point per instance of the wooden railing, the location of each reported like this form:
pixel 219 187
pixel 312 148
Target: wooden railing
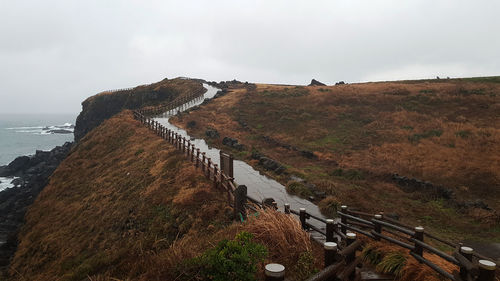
pixel 341 245
pixel 193 154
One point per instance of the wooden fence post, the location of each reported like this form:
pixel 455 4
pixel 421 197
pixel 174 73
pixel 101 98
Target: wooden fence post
pixel 330 252
pixel 419 235
pixel 192 152
pixel 275 205
pixel 240 199
pixel 274 272
pixel 377 226
pixel 302 216
pixel 467 253
pixel 188 150
pixel 350 238
pixel 203 162
pixel 287 208
pixel 330 226
pixel 486 270
pixel 197 157
pixel 209 162
pixel 183 145
pixel 343 219
pixel 215 176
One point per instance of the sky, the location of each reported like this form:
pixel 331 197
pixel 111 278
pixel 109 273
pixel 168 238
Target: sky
pixel 54 54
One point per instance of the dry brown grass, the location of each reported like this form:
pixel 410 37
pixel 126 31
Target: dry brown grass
pixel 115 205
pixel 447 133
pixel 412 269
pixel 125 205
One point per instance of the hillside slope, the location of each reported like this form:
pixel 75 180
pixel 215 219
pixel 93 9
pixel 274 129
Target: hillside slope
pixel 125 205
pixel 348 141
pixel 114 207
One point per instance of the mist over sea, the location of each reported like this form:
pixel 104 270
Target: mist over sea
pixel 22 134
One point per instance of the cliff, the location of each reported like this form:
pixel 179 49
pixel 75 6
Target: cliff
pixel 102 106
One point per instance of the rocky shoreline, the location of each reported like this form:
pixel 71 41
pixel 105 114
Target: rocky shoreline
pixel 31 176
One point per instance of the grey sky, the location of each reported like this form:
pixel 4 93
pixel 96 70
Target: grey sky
pixel 54 54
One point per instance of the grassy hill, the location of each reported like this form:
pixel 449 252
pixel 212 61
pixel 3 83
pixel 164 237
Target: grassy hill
pixel 125 204
pixel 349 140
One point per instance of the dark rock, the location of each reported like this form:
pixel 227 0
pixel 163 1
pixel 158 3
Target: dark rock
pixel 233 143
pixel 229 141
pixel 279 170
pixel 239 147
pixel 413 185
pixel 267 202
pixel 191 124
pixel 393 216
pixel 340 83
pixel 19 164
pixel 256 155
pixel 17 182
pixel 33 173
pixel 315 82
pixel 60 131
pixel 319 194
pixel 272 165
pixel 212 133
pixel 4 171
pixel 308 154
pixel 477 204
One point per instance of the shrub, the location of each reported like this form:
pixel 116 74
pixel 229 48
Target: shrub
pixel 415 138
pixel 347 174
pixel 298 188
pixel 304 267
pixel 329 206
pixel 230 260
pixel 392 263
pixel 191 124
pixel 463 134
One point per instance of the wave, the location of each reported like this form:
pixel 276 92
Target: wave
pixel 6 183
pixel 24 128
pixel 66 128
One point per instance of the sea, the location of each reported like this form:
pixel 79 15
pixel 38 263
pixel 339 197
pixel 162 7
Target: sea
pixel 23 134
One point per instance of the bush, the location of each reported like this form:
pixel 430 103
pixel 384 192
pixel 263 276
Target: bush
pixel 305 266
pixel 298 188
pixel 230 260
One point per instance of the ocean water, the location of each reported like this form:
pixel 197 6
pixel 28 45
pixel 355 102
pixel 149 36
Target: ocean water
pixel 23 134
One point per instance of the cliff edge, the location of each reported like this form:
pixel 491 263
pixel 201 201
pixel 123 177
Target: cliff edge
pixel 104 105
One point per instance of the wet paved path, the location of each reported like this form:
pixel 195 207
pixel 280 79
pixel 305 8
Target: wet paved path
pixel 259 186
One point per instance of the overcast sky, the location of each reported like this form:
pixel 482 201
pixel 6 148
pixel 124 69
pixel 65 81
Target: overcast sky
pixel 54 54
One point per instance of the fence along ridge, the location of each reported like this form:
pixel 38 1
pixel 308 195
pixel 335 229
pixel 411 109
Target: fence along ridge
pixel 340 258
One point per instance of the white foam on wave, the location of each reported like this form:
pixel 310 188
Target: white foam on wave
pixel 25 128
pixel 6 183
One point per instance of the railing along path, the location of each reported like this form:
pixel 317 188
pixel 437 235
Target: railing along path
pixel 340 246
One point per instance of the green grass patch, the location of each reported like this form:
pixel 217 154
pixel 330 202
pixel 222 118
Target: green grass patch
pixel 347 174
pixel 139 151
pixel 415 138
pixel 298 188
pixel 463 134
pixel 235 259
